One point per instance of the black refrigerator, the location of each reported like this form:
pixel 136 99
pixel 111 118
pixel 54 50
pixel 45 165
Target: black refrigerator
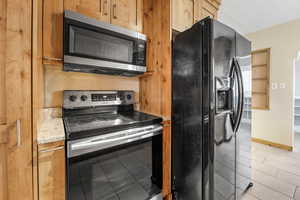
pixel 211 113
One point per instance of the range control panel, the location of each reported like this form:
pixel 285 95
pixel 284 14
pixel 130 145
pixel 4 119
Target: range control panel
pixel 91 98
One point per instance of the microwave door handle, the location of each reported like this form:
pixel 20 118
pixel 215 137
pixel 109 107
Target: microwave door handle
pixel 133 137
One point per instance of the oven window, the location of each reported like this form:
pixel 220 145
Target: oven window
pixel 129 173
pixel 94 44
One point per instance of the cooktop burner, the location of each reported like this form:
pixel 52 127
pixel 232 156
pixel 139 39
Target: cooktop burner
pixel 90 113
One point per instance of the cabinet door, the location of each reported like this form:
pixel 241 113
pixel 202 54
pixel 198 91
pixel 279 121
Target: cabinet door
pixel 182 14
pixel 208 9
pixel 15 100
pixel 53 30
pixel 3 162
pixel 98 9
pixel 52 182
pixel 124 13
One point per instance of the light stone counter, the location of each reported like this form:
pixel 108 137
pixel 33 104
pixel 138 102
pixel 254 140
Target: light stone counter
pixel 52 127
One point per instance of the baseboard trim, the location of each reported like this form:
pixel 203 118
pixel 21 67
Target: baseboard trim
pixel 273 144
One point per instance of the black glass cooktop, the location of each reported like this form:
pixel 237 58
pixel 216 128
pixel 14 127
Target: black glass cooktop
pixel 86 125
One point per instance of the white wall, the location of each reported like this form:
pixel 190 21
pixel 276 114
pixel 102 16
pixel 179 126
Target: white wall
pixel 276 124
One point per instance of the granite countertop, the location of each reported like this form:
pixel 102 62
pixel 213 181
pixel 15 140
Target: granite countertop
pixel 52 127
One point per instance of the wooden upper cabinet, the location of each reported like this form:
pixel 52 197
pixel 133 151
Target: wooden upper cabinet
pixel 182 14
pixel 97 9
pixel 187 12
pixel 209 9
pixel 53 30
pixel 124 13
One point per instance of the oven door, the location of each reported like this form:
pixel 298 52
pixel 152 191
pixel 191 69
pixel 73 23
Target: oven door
pixel 125 165
pixel 91 45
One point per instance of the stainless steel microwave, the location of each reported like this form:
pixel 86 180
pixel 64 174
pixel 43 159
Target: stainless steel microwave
pixel 93 46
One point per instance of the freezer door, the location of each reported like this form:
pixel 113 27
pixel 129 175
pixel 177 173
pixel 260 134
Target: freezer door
pixel 187 133
pixel 243 135
pixel 225 94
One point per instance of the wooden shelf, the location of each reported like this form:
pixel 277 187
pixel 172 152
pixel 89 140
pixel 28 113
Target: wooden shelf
pixel 260 65
pixel 260 108
pixel 259 79
pixel 259 93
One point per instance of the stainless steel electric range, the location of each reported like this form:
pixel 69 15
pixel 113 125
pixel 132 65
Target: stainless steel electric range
pixel 113 151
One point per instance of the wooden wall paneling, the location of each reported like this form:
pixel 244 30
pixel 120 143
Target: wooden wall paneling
pixel 18 86
pixel 150 86
pixel 52 173
pixel 155 92
pixel 167 158
pixel 167 92
pixel 53 30
pixel 166 60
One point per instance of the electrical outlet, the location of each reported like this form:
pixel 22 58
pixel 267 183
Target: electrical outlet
pixel 282 85
pixel 274 86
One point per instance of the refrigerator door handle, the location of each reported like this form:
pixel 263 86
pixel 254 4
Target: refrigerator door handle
pixel 236 119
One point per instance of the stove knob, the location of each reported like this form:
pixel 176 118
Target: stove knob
pixel 129 97
pixel 72 98
pixel 83 98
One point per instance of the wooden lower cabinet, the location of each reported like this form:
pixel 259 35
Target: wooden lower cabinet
pixel 52 172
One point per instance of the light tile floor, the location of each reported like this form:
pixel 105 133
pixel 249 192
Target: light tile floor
pixel 275 173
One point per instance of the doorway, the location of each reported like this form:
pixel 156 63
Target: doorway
pixel 296 112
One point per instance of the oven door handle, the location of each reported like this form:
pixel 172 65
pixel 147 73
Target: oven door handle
pixel 129 138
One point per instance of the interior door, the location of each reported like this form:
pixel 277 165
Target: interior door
pixel 97 9
pixel 15 100
pixel 226 109
pixel 124 13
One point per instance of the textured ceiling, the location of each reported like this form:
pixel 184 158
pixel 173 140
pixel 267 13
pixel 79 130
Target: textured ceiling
pixel 247 16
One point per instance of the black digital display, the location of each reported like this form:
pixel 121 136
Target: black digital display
pixel 103 97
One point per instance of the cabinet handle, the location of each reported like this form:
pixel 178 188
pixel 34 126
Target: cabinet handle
pixel 115 11
pixel 53 149
pixel 54 59
pixel 105 7
pixel 18 132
